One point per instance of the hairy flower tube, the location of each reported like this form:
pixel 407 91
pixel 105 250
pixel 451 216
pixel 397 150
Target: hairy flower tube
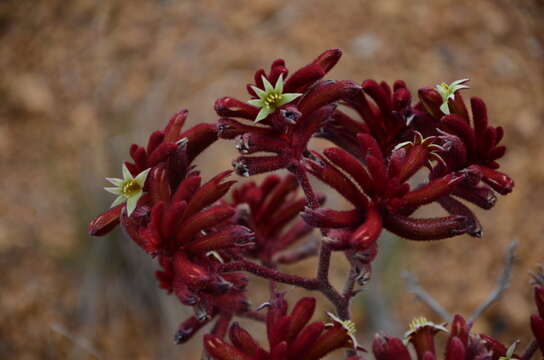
pixel 270 210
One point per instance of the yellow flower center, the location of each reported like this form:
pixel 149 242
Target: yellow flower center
pixel 273 99
pixel 130 188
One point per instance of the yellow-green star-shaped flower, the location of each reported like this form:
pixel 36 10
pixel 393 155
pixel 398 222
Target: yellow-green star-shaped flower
pixel 271 98
pixel 447 91
pixel 510 351
pixel 129 189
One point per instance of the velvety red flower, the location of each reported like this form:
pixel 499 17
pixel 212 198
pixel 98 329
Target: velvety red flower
pixel 268 210
pixel 290 336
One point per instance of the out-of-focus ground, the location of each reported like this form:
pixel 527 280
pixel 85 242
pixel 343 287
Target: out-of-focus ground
pixel 80 80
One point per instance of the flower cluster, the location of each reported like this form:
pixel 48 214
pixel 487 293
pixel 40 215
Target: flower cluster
pixel 268 210
pixel 178 220
pixel 289 336
pixel 388 156
pixel 461 344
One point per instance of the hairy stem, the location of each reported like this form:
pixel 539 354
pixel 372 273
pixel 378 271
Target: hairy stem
pixel 270 274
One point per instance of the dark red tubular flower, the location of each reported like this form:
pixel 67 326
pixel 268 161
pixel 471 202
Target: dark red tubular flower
pixel 290 337
pixel 537 326
pixel 421 335
pixel 291 112
pixel 269 210
pixel 389 348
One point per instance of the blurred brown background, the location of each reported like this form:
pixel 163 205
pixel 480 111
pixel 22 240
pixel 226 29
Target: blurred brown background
pixel 80 80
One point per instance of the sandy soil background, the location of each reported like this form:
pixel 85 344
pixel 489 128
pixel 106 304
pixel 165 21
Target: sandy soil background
pixel 80 80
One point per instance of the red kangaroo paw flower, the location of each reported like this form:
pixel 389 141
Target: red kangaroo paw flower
pixel 338 181
pixel 433 190
pixel 479 116
pixel 304 77
pixel 172 130
pixel 159 184
pixel 426 229
pixel 241 339
pixel 333 338
pixel 229 107
pixel 160 153
pixel 460 329
pixel 455 207
pixel 187 188
pixel 537 325
pixel 188 328
pixel 231 236
pixel 326 92
pixel 455 349
pixel 494 346
pixel 352 166
pixel 305 340
pixel 456 125
pixel 105 222
pixel 306 126
pixel 300 316
pixel 500 182
pixel 431 100
pixel 219 350
pixel 379 95
pixel 202 220
pixel 328 59
pixel 421 336
pixel 389 348
pixel 209 193
pixel 191 273
pixel 155 139
pixel 479 195
pixel 367 234
pixel 199 137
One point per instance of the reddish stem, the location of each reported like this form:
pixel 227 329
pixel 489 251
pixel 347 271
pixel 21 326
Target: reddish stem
pixel 341 303
pixel 271 274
